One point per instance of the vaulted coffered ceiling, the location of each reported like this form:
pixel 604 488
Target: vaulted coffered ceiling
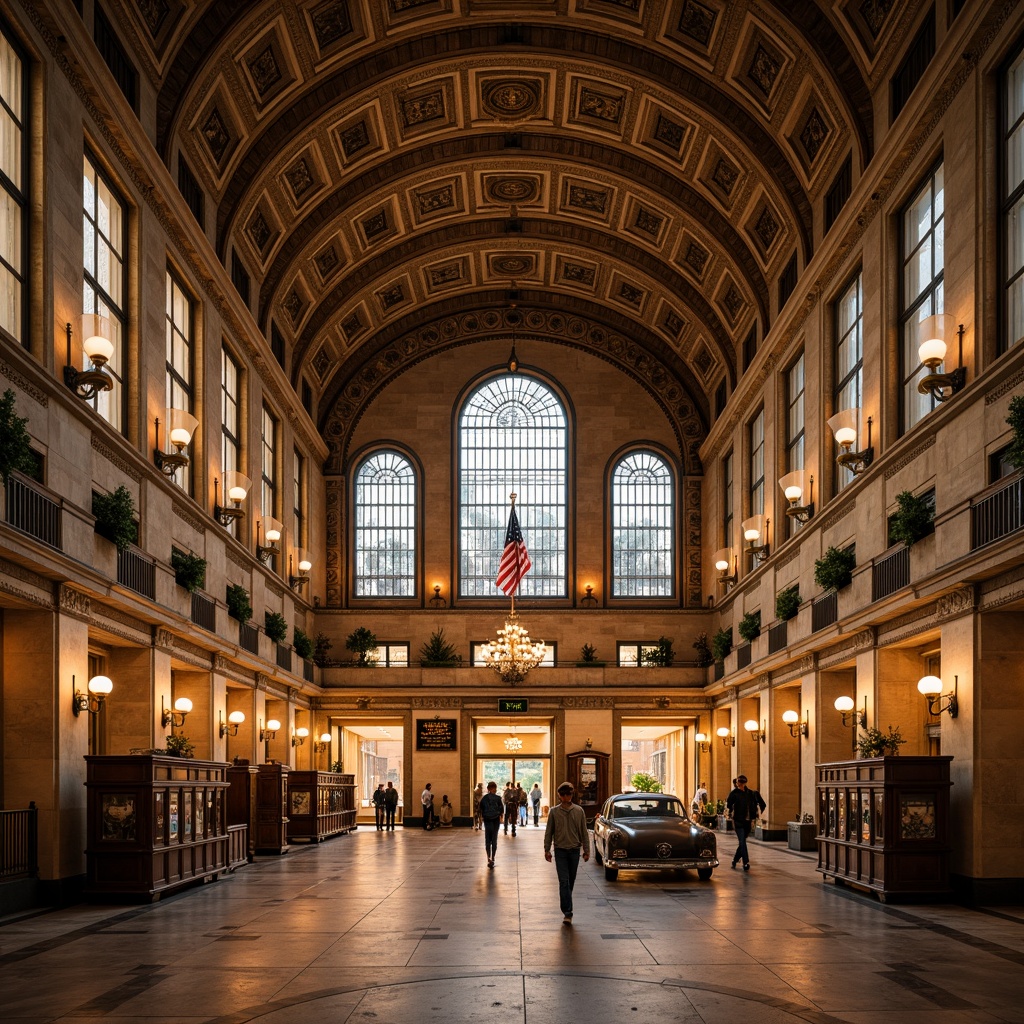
pixel 640 171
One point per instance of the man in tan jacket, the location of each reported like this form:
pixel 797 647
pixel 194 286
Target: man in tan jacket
pixel 567 832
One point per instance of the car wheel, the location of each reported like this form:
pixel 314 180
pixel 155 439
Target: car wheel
pixel 704 874
pixel 611 874
pixel 599 860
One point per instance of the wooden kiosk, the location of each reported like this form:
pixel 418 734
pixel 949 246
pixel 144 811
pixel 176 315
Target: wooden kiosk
pixel 320 805
pixel 588 772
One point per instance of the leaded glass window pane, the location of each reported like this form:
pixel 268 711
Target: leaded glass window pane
pixel 385 527
pixel 849 357
pixel 1012 220
pixel 643 518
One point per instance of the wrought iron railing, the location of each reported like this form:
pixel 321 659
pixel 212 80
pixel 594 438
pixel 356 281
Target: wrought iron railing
pixel 204 612
pixel 778 637
pixel 30 510
pixel 284 657
pixel 249 637
pixel 743 656
pixel 19 842
pixel 719 670
pixel 890 573
pixel 307 670
pixel 824 611
pixel 997 514
pixel 137 572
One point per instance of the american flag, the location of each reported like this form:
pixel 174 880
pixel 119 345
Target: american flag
pixel 515 559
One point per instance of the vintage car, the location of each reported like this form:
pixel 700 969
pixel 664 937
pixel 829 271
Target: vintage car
pixel 651 832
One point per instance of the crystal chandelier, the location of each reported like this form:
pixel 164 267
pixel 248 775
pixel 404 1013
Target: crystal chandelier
pixel 513 654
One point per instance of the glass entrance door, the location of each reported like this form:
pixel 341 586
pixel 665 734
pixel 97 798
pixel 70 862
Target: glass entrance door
pixel 524 770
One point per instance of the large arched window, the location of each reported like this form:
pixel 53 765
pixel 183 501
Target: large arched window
pixel 643 527
pixel 513 437
pixel 385 526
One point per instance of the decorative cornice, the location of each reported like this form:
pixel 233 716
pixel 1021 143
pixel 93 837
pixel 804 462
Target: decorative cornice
pixel 130 471
pixel 908 457
pixel 905 626
pixel 841 652
pixel 192 653
pixel 956 603
pixel 587 702
pixel 163 638
pixel 804 667
pixel 740 410
pixel 130 622
pixel 840 513
pixel 74 602
pixel 242 563
pixel 40 597
pixel 187 516
pixel 437 702
pixel 1010 384
pixel 23 383
pixel 783 560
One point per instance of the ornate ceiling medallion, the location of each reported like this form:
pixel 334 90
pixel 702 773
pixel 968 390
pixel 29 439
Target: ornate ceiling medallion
pixel 511 99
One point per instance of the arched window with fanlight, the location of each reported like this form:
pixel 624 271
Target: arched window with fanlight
pixel 384 509
pixel 643 513
pixel 513 437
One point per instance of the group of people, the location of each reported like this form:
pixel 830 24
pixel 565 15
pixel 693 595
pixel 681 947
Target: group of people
pixel 385 802
pixel 516 805
pixel 441 818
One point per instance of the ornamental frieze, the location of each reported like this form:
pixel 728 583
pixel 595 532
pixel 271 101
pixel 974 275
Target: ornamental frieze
pixel 958 602
pixel 587 702
pixel 436 702
pixel 74 602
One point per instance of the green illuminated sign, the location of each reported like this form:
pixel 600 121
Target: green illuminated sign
pixel 510 706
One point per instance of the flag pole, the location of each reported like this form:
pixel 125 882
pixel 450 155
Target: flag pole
pixel 512 498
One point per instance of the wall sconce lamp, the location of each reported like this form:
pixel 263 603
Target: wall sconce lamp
pixel 271 529
pixel 796 727
pixel 299 736
pixel 99 348
pixel 753 529
pixel 931 687
pixel 99 687
pixel 236 487
pixel 756 734
pixel 845 707
pixel 323 743
pixel 932 333
pixel 230 727
pixel 723 558
pixel 305 564
pixel 437 601
pixel 701 740
pixel 792 485
pixel 845 427
pixel 180 427
pixel 588 600
pixel 266 735
pixel 726 736
pixel 174 717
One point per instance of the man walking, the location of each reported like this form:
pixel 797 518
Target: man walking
pixel 567 832
pixel 511 802
pixel 390 805
pixel 378 806
pixel 491 810
pixel 522 799
pixel 743 806
pixel 535 798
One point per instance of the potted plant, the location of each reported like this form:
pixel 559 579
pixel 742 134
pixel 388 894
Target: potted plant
pixel 801 832
pixel 276 626
pixel 180 746
pixel 644 783
pixel 189 570
pixel 15 443
pixel 115 517
pixel 1015 453
pixel 238 603
pixel 912 519
pixel 302 644
pixel 724 823
pixel 661 656
pixel 834 570
pixel 721 644
pixel 363 643
pixel 703 649
pixel 750 626
pixel 875 743
pixel 439 652
pixel 787 602
pixel 321 645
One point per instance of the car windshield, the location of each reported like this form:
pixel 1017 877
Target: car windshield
pixel 648 807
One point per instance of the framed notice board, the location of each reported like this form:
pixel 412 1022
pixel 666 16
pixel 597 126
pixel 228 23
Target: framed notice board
pixel 437 734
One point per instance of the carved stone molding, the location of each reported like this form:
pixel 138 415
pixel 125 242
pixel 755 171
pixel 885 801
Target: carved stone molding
pixel 163 638
pixel 907 458
pixel 23 384
pixel 956 603
pixel 1005 595
pixel 192 653
pixel 74 602
pixel 187 516
pixel 847 648
pixel 237 559
pixel 804 667
pixel 262 681
pixel 38 590
pixel 839 514
pixel 220 663
pixel 334 485
pixel 108 453
pixel 1010 384
pixel 133 628
pixel 784 560
pixel 587 702
pixel 437 702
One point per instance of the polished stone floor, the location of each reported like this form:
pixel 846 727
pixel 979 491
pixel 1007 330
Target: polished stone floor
pixel 412 927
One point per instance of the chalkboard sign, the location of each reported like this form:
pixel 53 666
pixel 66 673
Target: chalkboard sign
pixel 436 734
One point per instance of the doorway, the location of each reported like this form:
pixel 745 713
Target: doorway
pixel 516 751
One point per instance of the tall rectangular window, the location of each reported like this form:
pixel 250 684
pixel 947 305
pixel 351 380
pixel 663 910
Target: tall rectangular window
pixel 922 286
pixel 795 415
pixel 13 219
pixel 1011 219
pixel 104 289
pixel 191 191
pixel 268 474
pixel 298 500
pixel 911 70
pixel 757 464
pixel 727 500
pixel 849 356
pixel 178 316
pixel 115 57
pixel 230 420
pixel 838 193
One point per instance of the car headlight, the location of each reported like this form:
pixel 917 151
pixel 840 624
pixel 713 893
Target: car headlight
pixel 616 843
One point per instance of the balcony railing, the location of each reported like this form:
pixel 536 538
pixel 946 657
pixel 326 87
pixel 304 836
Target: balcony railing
pixel 19 843
pixel 33 512
pixel 136 572
pixel 890 573
pixel 997 514
pixel 249 637
pixel 743 656
pixel 778 637
pixel 284 657
pixel 204 612
pixel 824 611
pixel 307 670
pixel 719 670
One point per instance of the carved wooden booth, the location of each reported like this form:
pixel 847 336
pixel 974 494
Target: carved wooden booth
pixel 320 804
pixel 587 770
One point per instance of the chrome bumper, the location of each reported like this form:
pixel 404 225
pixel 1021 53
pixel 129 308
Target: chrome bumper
pixel 661 865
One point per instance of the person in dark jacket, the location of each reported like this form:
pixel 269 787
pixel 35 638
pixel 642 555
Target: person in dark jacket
pixel 492 809
pixel 390 805
pixel 743 806
pixel 378 806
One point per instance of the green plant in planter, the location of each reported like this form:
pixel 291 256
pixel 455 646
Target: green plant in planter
pixel 115 517
pixel 661 656
pixel 276 626
pixel 588 653
pixel 875 743
pixel 703 649
pixel 321 646
pixel 238 603
pixel 15 443
pixel 438 652
pixel 180 746
pixel 362 642
pixel 787 602
pixel 644 783
pixel 912 519
pixel 302 644
pixel 1015 453
pixel 336 766
pixel 189 570
pixel 834 570
pixel 721 644
pixel 750 626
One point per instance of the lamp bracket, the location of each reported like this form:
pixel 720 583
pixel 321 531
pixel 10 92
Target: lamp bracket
pixel 856 462
pixel 266 553
pixel 169 462
pixel 297 582
pixel 801 513
pixel 935 384
pixel 87 383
